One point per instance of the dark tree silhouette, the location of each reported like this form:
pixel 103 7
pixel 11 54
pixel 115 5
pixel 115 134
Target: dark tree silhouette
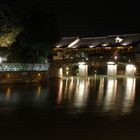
pixel 39 34
pixel 10 25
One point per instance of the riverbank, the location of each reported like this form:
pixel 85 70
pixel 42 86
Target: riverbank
pixel 22 77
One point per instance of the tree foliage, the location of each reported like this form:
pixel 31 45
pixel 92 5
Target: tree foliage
pixel 9 26
pixel 36 39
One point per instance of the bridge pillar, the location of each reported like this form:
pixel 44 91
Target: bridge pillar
pixel 83 69
pixel 130 70
pixel 111 69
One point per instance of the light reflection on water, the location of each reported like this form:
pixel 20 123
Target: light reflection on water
pixel 129 95
pixel 81 93
pixel 109 95
pixel 99 95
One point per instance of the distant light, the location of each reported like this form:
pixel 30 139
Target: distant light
pixel 91 46
pixel 73 43
pixel 112 69
pixel 130 69
pixel 67 68
pixel 0 60
pixel 130 66
pixel 58 46
pixel 67 72
pixel 115 57
pixel 118 39
pixel 8 75
pixel 81 63
pixel 125 43
pixel 46 61
pixel 61 72
pixel 111 63
pixel 105 44
pixel 74 46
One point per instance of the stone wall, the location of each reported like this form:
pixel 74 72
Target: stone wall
pixel 22 77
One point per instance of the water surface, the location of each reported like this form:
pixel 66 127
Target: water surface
pixel 93 103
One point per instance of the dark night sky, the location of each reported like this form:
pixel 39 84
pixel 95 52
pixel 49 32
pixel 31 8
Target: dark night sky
pixel 90 18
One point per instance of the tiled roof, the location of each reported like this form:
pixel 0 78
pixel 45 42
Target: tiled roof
pixel 110 40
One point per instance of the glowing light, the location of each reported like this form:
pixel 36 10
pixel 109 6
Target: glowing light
pixel 58 46
pixel 46 61
pixel 71 84
pixel 8 92
pixel 83 70
pixel 101 91
pixel 60 72
pixel 67 68
pixel 8 75
pixel 81 94
pixel 115 57
pixel 130 70
pixel 67 72
pixel 118 39
pixel 0 60
pixel 125 44
pixel 60 92
pixel 39 74
pixel 110 94
pixel 91 46
pixel 129 95
pixel 81 63
pixel 38 93
pixel 74 46
pixel 105 44
pixel 111 63
pixel 112 70
pixel 73 43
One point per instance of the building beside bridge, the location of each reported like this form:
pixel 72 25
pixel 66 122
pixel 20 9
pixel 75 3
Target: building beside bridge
pixel 108 55
pixel 124 47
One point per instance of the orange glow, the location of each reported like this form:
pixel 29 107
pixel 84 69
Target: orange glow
pixel 8 92
pixel 8 75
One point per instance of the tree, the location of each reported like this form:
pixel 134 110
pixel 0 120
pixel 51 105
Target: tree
pixel 38 36
pixel 10 26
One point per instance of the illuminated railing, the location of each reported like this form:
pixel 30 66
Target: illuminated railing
pixel 23 67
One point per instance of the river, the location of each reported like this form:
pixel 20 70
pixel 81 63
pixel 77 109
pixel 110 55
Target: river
pixel 71 108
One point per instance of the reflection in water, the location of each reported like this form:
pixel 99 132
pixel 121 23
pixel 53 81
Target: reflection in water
pixel 60 73
pixel 75 93
pixel 129 95
pixel 110 94
pixel 81 93
pixel 60 91
pixel 7 96
pixel 8 92
pixel 100 91
pixel 97 95
pixel 38 92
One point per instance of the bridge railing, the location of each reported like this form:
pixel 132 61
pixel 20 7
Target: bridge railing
pixel 23 67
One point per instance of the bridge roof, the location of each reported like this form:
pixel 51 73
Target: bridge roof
pixel 110 40
pixel 65 41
